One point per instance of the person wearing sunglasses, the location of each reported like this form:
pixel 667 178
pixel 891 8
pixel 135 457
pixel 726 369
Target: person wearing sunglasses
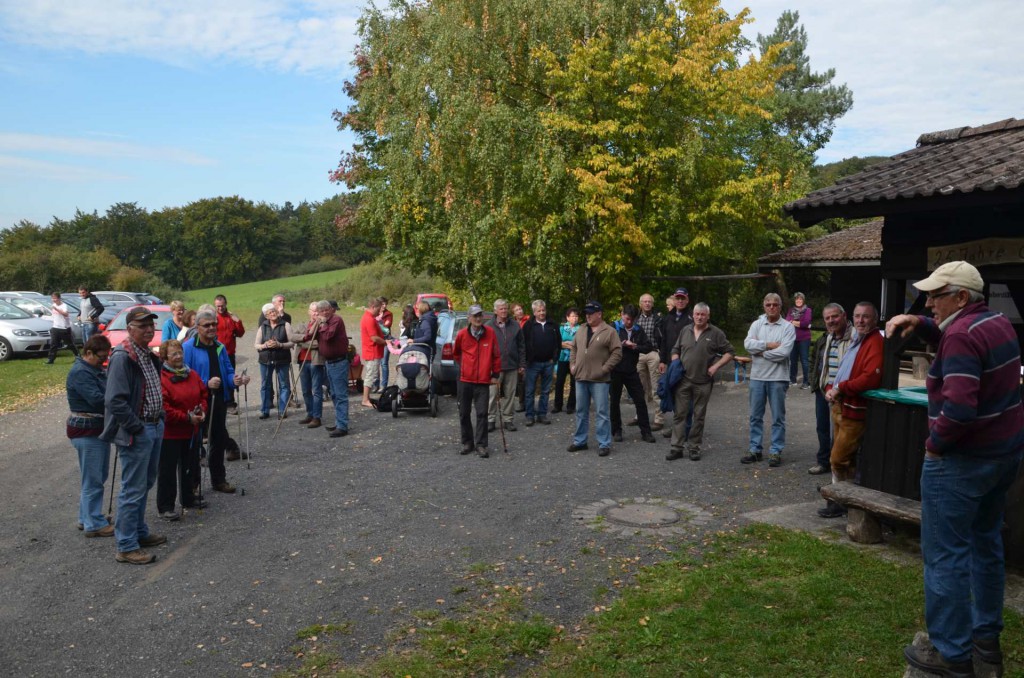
pixel 770 343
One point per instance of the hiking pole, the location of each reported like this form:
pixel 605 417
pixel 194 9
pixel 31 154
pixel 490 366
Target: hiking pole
pixel 110 506
pixel 245 400
pixel 214 393
pixel 501 422
pixel 197 433
pixel 291 393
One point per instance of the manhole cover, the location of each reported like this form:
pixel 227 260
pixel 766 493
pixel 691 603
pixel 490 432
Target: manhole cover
pixel 641 516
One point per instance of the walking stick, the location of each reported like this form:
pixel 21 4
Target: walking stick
pixel 110 506
pixel 291 393
pixel 214 393
pixel 197 432
pixel 245 413
pixel 501 422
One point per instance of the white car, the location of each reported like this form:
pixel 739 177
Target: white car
pixel 22 332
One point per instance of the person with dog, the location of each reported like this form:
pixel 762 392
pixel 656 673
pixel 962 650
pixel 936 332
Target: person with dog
pixel 86 391
pixel 185 401
pixel 476 352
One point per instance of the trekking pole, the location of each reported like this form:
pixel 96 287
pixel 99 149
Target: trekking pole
pixel 501 422
pixel 291 393
pixel 245 413
pixel 197 433
pixel 214 393
pixel 110 506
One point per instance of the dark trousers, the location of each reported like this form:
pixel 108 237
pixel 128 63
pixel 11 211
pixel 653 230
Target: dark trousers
pixel 176 465
pixel 560 375
pixel 823 419
pixel 473 396
pixel 635 389
pixel 218 436
pixel 58 337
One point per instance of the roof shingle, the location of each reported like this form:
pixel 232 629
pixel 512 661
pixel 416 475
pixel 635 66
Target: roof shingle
pixel 861 243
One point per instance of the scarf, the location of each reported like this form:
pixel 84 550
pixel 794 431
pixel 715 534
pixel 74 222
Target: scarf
pixel 846 364
pixel 177 374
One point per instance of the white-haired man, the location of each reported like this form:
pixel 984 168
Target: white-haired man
pixel 770 343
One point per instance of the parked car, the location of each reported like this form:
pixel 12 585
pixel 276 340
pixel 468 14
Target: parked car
pixel 117 330
pixel 22 293
pixel 22 332
pixel 445 370
pixel 435 298
pixel 41 308
pixel 132 298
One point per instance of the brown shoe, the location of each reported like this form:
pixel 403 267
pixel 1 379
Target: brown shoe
pixel 225 487
pixel 107 531
pixel 305 420
pixel 657 426
pixel 314 423
pixel 136 557
pixel 233 455
pixel 152 540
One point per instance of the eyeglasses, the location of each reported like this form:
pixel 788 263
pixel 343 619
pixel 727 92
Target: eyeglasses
pixel 143 326
pixel 941 294
pixel 771 303
pixel 208 325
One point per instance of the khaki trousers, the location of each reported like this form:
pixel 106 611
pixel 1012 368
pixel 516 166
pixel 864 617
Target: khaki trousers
pixel 647 366
pixel 846 436
pixel 507 383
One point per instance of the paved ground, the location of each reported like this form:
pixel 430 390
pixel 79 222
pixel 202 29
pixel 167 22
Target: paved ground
pixel 364 529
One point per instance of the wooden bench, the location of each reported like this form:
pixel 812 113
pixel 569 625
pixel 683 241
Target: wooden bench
pixel 865 506
pixel 739 368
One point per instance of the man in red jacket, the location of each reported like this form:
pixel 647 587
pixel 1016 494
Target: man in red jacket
pixel 860 370
pixel 476 351
pixel 229 326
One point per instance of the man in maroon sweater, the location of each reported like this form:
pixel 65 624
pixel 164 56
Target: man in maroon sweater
pixel 973 452
pixel 332 342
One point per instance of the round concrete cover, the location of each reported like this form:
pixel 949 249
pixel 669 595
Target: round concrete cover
pixel 642 515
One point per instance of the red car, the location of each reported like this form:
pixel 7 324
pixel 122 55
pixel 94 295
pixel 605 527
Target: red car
pixel 434 298
pixel 117 330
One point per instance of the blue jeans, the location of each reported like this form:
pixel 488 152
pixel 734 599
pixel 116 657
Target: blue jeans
pixel 585 390
pixel 89 329
pixel 284 387
pixel 774 393
pixel 94 463
pixel 545 371
pixel 311 380
pixel 962 502
pixel 337 375
pixel 823 421
pixel 801 354
pixel 139 464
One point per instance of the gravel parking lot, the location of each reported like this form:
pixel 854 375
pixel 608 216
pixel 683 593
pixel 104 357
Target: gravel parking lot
pixel 364 529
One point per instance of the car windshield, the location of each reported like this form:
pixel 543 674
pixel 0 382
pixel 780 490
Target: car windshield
pixel 31 305
pixel 121 321
pixel 12 312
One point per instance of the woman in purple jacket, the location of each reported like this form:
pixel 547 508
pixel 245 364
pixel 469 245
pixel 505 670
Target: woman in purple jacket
pixel 799 317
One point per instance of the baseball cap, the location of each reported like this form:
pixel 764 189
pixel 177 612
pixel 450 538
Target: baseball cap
pixel 592 307
pixel 475 309
pixel 957 273
pixel 681 292
pixel 140 313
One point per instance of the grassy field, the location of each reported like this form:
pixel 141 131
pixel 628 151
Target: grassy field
pixel 761 602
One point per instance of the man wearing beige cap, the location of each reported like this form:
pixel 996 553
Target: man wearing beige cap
pixel 973 451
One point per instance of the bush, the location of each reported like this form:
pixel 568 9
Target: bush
pixel 132 279
pixel 321 265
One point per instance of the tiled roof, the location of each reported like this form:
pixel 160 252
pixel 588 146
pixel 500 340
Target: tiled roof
pixel 857 244
pixel 950 163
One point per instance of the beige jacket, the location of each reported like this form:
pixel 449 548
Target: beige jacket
pixel 594 362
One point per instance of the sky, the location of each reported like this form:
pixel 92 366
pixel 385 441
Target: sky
pixel 162 103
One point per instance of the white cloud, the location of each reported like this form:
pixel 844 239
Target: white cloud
pixel 303 36
pixel 38 143
pixel 22 168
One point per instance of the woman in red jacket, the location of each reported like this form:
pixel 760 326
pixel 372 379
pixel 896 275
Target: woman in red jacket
pixel 185 398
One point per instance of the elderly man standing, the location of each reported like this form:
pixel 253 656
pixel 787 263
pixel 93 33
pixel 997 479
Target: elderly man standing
pixel 635 345
pixel 769 342
pixel 828 352
pixel 973 453
pixel 596 350
pixel 229 328
pixel 703 350
pixel 209 358
pixel 512 347
pixel 671 325
pixel 476 352
pixel 860 370
pixel 649 321
pixel 332 342
pixel 542 341
pixel 311 372
pixel 371 341
pixel 134 421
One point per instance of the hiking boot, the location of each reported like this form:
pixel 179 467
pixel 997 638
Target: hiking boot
pixel 657 426
pixel 197 504
pixel 491 427
pixel 617 436
pixel 928 659
pixel 751 457
pixel 604 451
pixel 774 460
pixel 305 420
pixel 695 453
pixel 988 651
pixel 233 455
pixel 673 455
pixel 509 426
pixel 314 423
pixel 832 510
pixel 648 438
pixel 170 516
pixel 818 470
pixel 482 451
pixel 556 409
pixel 225 487
pixel 152 539
pixel 543 420
pixel 466 448
pixel 136 557
pixel 105 531
pixel 264 415
pixel 338 433
pixel 529 421
pixel 576 448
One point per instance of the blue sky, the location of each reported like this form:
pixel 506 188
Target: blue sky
pixel 162 103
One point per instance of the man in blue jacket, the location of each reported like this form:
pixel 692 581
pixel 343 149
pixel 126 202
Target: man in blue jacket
pixel 209 358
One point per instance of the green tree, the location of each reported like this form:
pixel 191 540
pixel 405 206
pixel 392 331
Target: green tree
pixel 126 231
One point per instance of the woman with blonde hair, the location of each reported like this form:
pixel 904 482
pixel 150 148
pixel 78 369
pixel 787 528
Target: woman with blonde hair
pixel 173 325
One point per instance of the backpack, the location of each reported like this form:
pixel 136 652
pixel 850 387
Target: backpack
pixel 387 396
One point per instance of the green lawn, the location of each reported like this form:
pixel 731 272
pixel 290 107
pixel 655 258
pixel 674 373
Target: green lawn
pixel 761 602
pixel 26 381
pixel 247 299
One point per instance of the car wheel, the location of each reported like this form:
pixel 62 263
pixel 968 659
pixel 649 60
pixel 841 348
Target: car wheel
pixel 6 350
pixel 394 408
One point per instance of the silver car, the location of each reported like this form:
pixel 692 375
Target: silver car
pixel 22 332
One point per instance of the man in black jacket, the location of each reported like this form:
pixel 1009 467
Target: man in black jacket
pixel 89 312
pixel 672 324
pixel 543 342
pixel 634 344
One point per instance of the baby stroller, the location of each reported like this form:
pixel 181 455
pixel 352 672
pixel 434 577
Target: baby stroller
pixel 415 390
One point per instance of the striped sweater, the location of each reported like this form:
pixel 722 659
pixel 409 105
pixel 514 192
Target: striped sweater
pixel 974 404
